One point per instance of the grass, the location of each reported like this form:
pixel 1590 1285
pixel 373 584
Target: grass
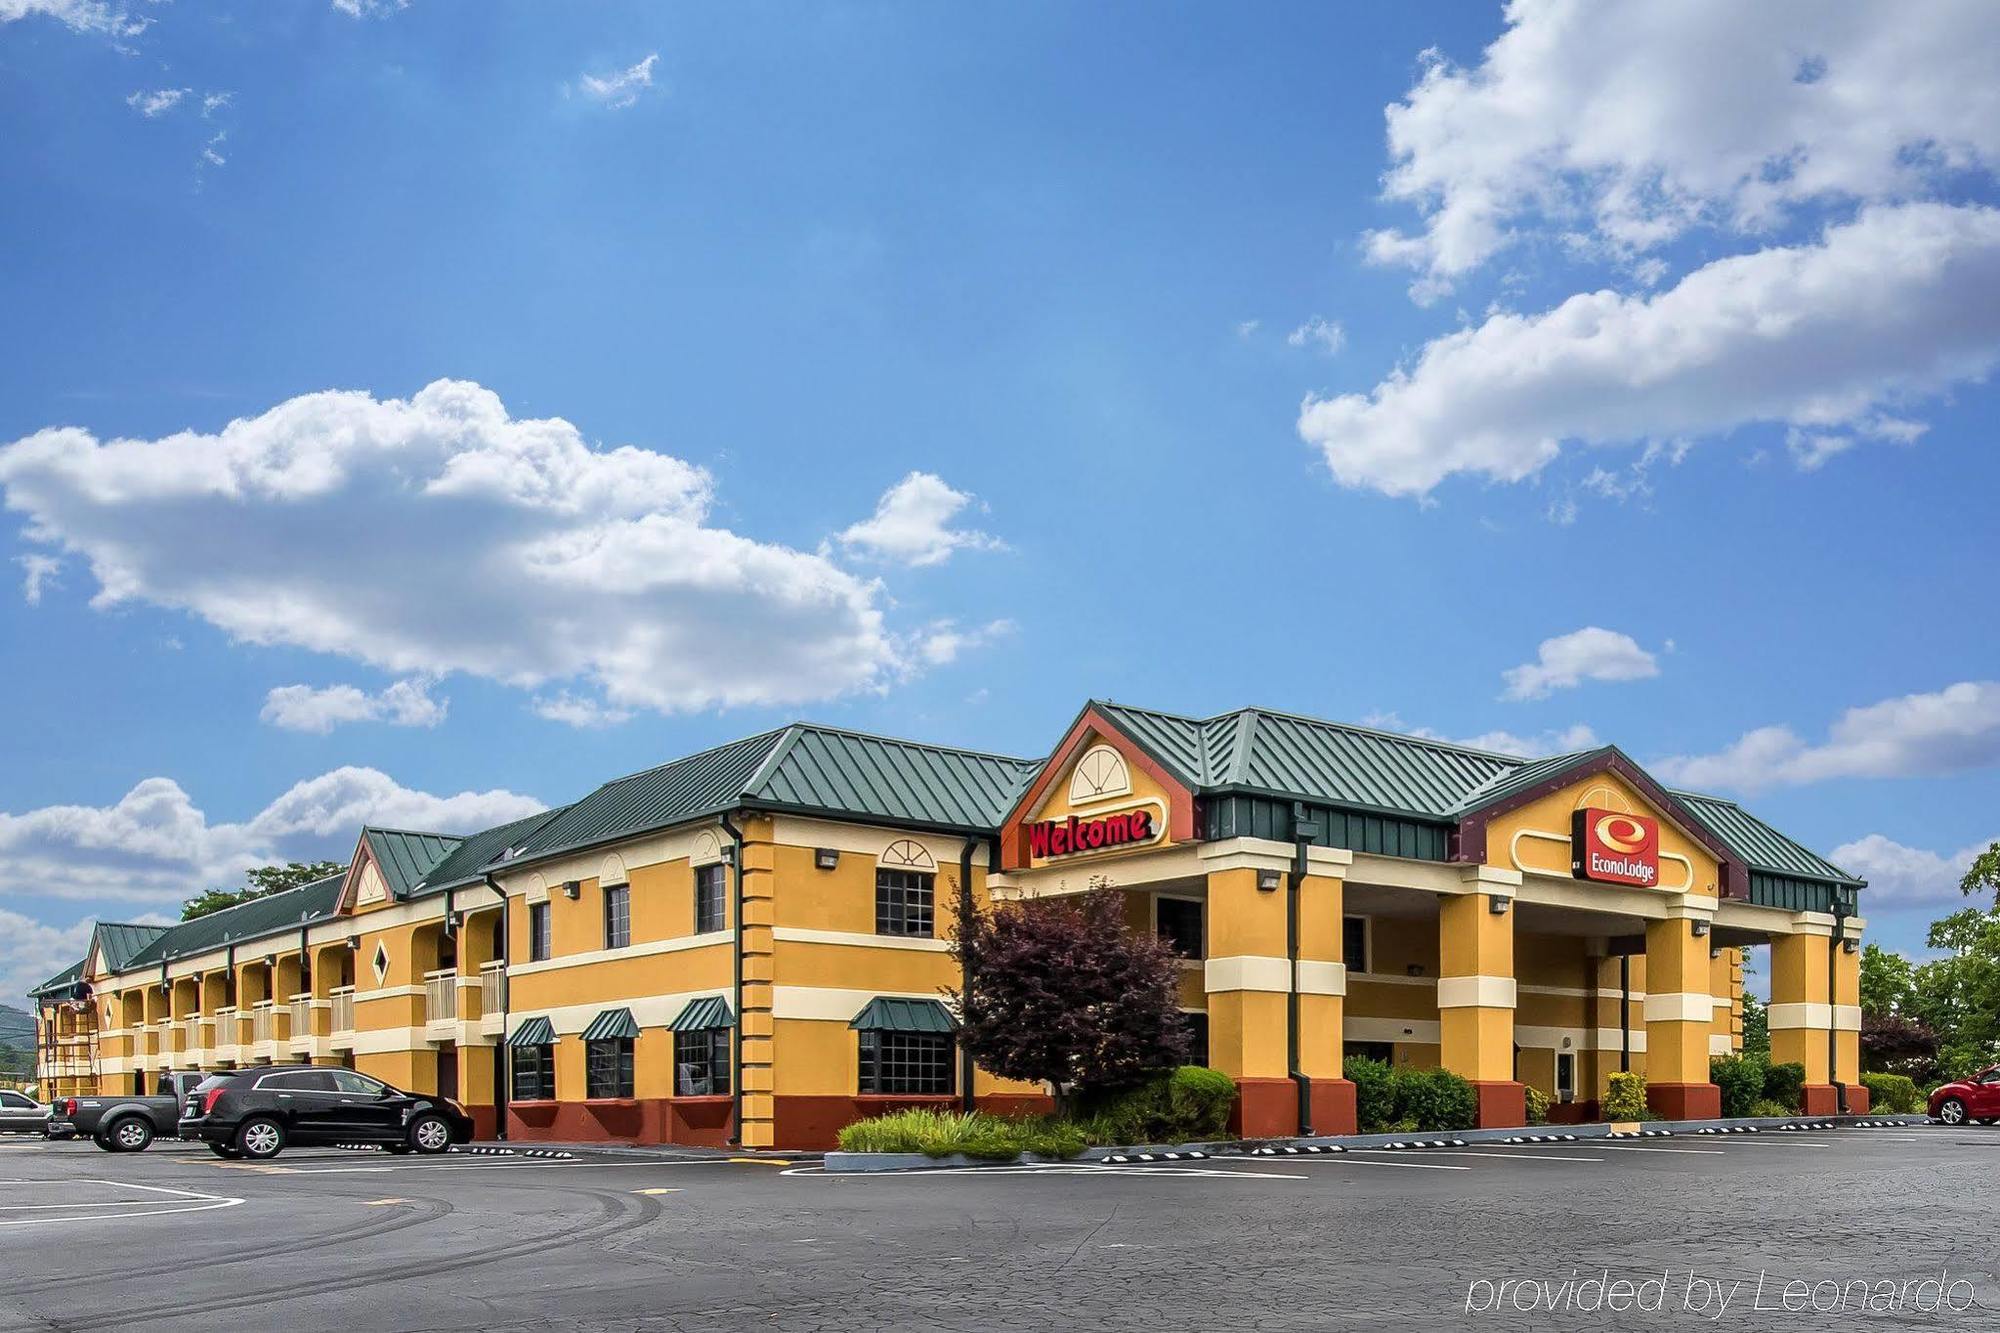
pixel 979 1135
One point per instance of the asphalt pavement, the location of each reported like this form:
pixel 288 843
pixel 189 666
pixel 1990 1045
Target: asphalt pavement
pixel 1513 1237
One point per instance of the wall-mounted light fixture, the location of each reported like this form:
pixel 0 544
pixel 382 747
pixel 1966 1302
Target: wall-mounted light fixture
pixel 270 960
pixel 1715 951
pixel 1497 904
pixel 1267 881
pixel 354 942
pixel 1415 969
pixel 1700 928
pixel 826 858
pixel 1850 945
pixel 572 888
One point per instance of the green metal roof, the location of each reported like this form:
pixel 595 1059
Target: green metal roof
pixel 611 1025
pixel 274 914
pixel 1508 781
pixel 1761 846
pixel 534 1032
pixel 889 1014
pixel 468 862
pixel 702 1014
pixel 405 857
pixel 118 942
pixel 59 985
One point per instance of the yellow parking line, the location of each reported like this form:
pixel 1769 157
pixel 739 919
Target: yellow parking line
pixel 659 1191
pixel 762 1161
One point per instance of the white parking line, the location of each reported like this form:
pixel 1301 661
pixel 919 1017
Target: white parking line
pixel 1775 1142
pixel 505 1164
pixel 1522 1156
pixel 1622 1147
pixel 184 1201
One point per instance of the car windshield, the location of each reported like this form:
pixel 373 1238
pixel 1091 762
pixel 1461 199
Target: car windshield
pixel 211 1081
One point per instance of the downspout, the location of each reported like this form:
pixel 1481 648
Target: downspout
pixel 1624 1013
pixel 1302 839
pixel 1832 1001
pixel 736 1028
pixel 503 1077
pixel 966 1101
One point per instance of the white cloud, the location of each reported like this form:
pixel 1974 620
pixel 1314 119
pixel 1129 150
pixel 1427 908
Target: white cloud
pixel 1570 659
pixel 579 711
pixel 358 9
pixel 1248 327
pixel 211 154
pixel 38 574
pixel 439 534
pixel 1561 740
pixel 406 703
pixel 1323 335
pixel 1626 125
pixel 214 102
pixel 1900 876
pixel 31 952
pixel 155 846
pixel 156 103
pixel 1893 305
pixel 622 88
pixel 912 524
pixel 77 15
pixel 1918 735
pixel 944 641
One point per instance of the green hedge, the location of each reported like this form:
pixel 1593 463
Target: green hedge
pixel 1764 1109
pixel 1189 1105
pixel 1895 1094
pixel 1625 1099
pixel 1741 1078
pixel 1374 1093
pixel 1538 1106
pixel 1786 1085
pixel 942 1133
pixel 1434 1099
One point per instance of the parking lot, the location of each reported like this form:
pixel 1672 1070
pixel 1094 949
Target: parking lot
pixel 325 1239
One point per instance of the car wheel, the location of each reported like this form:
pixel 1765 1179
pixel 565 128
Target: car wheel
pixel 429 1134
pixel 130 1134
pixel 1952 1111
pixel 224 1151
pixel 260 1137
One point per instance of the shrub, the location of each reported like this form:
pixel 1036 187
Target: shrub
pixel 1434 1099
pixel 1626 1097
pixel 1893 1093
pixel 1538 1106
pixel 1741 1078
pixel 1191 1104
pixel 1374 1093
pixel 1786 1085
pixel 942 1133
pixel 1765 1109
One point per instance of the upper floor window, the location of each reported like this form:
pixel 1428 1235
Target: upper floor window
pixel 1354 943
pixel 618 916
pixel 711 911
pixel 903 902
pixel 1178 921
pixel 538 932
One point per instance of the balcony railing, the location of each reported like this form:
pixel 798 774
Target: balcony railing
pixel 492 988
pixel 263 1022
pixel 343 1008
pixel 190 1034
pixel 441 996
pixel 302 1014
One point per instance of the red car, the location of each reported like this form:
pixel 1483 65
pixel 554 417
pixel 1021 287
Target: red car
pixel 1975 1098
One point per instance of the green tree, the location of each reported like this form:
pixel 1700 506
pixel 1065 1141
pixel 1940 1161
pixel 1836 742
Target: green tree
pixel 1984 874
pixel 1756 1026
pixel 263 882
pixel 1958 996
pixel 1888 982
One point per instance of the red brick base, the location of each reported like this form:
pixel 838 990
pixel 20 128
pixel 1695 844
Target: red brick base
pixel 1820 1099
pixel 1266 1108
pixel 1333 1106
pixel 1502 1105
pixel 1857 1099
pixel 1684 1101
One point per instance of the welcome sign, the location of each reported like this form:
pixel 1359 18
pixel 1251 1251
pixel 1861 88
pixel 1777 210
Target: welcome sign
pixel 1068 837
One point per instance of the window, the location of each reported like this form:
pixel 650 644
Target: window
pixel 1354 943
pixel 618 916
pixel 1178 921
pixel 538 932
pixel 701 1063
pixel 17 1101
pixel 902 902
pixel 1369 1050
pixel 1197 1026
pixel 915 1064
pixel 1565 1077
pixel 304 1080
pixel 534 1073
pixel 607 1068
pixel 710 905
pixel 360 1085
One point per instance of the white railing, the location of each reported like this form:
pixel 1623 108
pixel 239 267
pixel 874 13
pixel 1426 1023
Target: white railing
pixel 343 1008
pixel 302 1015
pixel 191 1033
pixel 263 1022
pixel 441 996
pixel 492 988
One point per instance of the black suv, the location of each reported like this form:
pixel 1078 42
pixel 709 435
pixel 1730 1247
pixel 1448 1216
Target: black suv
pixel 258 1113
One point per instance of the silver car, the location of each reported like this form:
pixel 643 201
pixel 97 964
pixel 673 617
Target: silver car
pixel 22 1114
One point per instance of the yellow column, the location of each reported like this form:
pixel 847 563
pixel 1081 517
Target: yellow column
pixel 1323 1002
pixel 1248 978
pixel 1476 995
pixel 758 1076
pixel 1802 1010
pixel 1680 1013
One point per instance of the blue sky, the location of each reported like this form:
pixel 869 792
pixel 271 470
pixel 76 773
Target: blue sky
pixel 930 370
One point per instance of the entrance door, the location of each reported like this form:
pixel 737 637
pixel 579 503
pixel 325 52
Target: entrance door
pixel 1565 1077
pixel 447 1080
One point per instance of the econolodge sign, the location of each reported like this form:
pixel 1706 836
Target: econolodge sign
pixel 1067 837
pixel 1614 847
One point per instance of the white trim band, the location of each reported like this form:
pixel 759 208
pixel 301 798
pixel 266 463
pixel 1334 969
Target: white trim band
pixel 1789 1017
pixel 1476 992
pixel 1679 1007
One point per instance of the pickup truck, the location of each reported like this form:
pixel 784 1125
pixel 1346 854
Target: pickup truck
pixel 127 1124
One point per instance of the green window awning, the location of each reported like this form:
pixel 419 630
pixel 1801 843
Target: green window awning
pixel 611 1025
pixel 534 1032
pixel 710 1011
pixel 885 1014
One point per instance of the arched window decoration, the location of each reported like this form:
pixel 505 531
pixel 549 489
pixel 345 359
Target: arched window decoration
pixel 1100 773
pixel 612 871
pixel 707 848
pixel 907 855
